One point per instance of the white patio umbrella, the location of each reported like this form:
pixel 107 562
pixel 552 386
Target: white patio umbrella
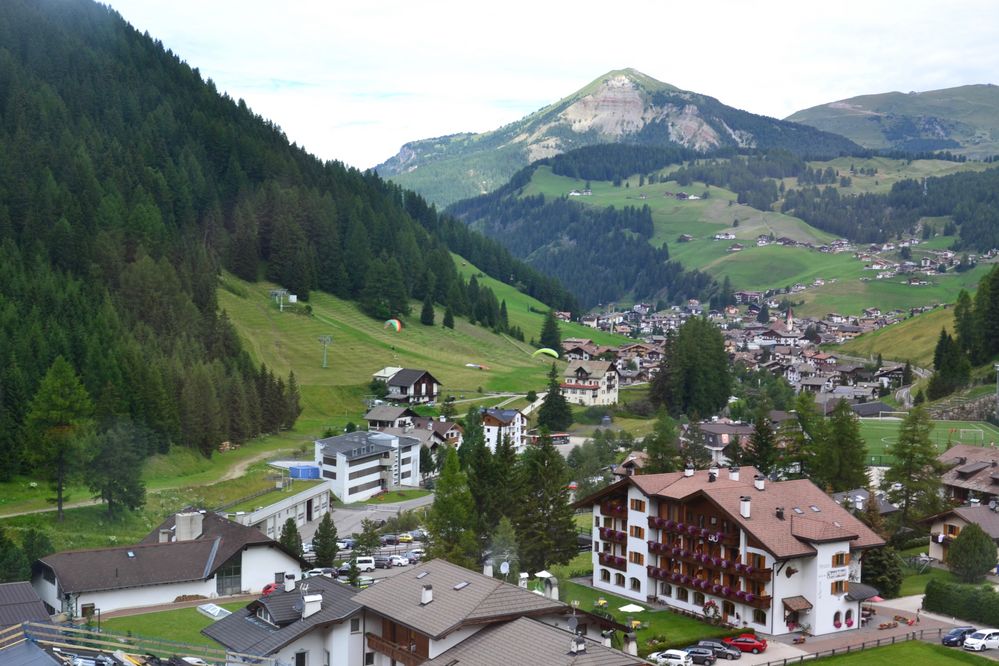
pixel 631 608
pixel 543 574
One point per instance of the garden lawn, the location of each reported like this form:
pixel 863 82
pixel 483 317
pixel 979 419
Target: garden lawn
pixel 912 653
pixel 678 630
pixel 915 583
pixel 183 625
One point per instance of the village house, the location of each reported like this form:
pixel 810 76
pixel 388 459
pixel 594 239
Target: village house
pixel 413 386
pixel 632 464
pixel 500 423
pixel 591 383
pixel 722 433
pixel 381 417
pixel 190 553
pixel 857 500
pixel 362 464
pixel 772 555
pixel 973 472
pixel 944 527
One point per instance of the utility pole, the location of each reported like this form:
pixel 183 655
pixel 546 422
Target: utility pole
pixel 325 341
pixel 278 295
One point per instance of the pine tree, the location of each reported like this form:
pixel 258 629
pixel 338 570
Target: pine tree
pixel 292 401
pixel 913 479
pixel 840 453
pixel 883 571
pixel 694 449
pixel 57 419
pixel 480 468
pixel 763 316
pixel 907 374
pixel 505 476
pixel 427 313
pixel 324 541
pixel 504 318
pixel 426 461
pixel 111 472
pixel 554 413
pixel 36 545
pixel 546 530
pixel 762 450
pixel 369 541
pixel 290 538
pixel 503 548
pixel 550 336
pixel 14 566
pixel 972 555
pixel 661 446
pixel 448 318
pixel 450 521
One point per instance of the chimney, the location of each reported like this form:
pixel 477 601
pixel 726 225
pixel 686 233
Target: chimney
pixel 759 481
pixel 713 470
pixel 779 513
pixel 442 419
pixel 289 582
pixel 551 588
pixel 523 580
pixel 577 645
pixel 427 594
pixel 712 477
pixel 733 473
pixel 608 636
pixel 630 644
pixel 188 525
pixel 974 502
pixel 313 603
pixel 744 506
pixel 487 569
pixel 164 536
pixel 688 470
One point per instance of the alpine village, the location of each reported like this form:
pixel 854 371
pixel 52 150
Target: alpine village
pixel 636 378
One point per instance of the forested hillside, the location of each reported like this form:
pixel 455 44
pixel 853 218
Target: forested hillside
pixel 126 182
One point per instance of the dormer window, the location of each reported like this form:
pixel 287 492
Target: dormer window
pixel 263 614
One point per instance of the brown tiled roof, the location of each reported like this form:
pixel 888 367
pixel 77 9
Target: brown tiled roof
pixel 483 599
pixel 797 603
pixel 971 468
pixel 595 369
pixel 819 531
pixel 981 515
pixel 637 460
pixel 527 641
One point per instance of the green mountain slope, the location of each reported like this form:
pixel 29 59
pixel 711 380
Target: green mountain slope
pixel 963 120
pixel 620 106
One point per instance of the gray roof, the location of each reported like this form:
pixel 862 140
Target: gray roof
pixel 408 377
pixel 982 516
pixel 527 641
pixel 884 506
pixel 20 603
pixel 244 632
pixel 482 600
pixel 355 445
pixel 502 415
pixel 388 413
pixel 27 653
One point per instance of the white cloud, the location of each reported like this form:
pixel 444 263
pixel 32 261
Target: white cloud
pixel 355 82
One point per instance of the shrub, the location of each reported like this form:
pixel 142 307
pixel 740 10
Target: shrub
pixel 975 603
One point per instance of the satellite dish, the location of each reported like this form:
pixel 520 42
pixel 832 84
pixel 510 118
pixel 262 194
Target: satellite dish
pixel 573 623
pixel 298 606
pixel 504 568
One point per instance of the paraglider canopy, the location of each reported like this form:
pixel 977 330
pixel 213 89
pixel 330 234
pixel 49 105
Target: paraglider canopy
pixel 547 351
pixel 394 324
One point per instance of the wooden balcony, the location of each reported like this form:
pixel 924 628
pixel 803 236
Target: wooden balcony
pixel 617 536
pixel 614 509
pixel 613 561
pixel 393 651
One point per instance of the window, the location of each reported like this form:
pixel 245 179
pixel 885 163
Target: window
pixel 698 598
pixel 839 587
pixel 666 589
pixel 355 625
pixel 229 578
pixel 682 594
pixel 596 521
pixel 849 617
pixel 605 575
pixel 756 560
pixel 596 546
pixel 638 505
pixel 728 608
pixel 369 658
pixel 841 559
pixel 636 558
pixel 636 585
pixel 301 659
pixel 837 619
pixel 329 474
pixel 759 616
pixel 87 610
pixel 326 654
pixel 951 530
pixel 637 532
pixel 619 579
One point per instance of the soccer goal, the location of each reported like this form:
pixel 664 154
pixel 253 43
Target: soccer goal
pixel 975 435
pixel 892 415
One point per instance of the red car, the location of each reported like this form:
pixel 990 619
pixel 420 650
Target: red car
pixel 747 643
pixel 270 587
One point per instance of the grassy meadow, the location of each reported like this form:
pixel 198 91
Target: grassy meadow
pixel 916 653
pixel 913 339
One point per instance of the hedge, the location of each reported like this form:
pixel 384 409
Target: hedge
pixel 975 603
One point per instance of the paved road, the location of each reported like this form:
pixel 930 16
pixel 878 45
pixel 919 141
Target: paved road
pixel 348 518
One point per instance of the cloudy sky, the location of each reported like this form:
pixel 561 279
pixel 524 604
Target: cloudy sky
pixel 354 81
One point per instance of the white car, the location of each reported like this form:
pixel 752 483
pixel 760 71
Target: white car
pixel 399 560
pixel 671 658
pixel 983 639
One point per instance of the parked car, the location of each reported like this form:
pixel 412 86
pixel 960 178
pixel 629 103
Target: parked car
pixel 383 562
pixel 955 637
pixel 342 545
pixel 721 650
pixel 671 658
pixel 364 563
pixel 747 643
pixel 321 571
pixel 419 534
pixel 365 581
pixel 701 655
pixel 399 560
pixel 270 587
pixel 415 555
pixel 307 547
pixel 389 540
pixel 405 538
pixel 983 639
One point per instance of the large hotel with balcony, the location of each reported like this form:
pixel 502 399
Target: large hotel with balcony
pixel 774 557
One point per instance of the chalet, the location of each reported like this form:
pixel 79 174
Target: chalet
pixel 735 247
pixel 591 383
pixel 771 555
pixel 744 297
pixel 944 527
pixel 720 434
pixel 444 431
pixel 413 386
pixel 633 464
pixel 504 423
pixel 890 376
pixel 817 383
pixel 724 235
pixel 381 417
pixel 363 464
pixel 973 471
pixel 191 553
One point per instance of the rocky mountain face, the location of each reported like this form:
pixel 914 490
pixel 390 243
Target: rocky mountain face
pixel 964 120
pixel 622 106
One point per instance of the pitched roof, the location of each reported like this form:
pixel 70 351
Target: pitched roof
pixel 968 465
pixel 981 515
pixel 388 413
pixel 527 641
pixel 504 416
pixel 358 444
pixel 20 603
pixel 482 600
pixel 244 632
pixel 595 369
pixel 408 377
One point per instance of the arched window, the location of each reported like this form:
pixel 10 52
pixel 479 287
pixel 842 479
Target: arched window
pixel 759 616
pixel 849 617
pixel 666 589
pixel 636 585
pixel 619 579
pixel 837 619
pixel 605 575
pixel 698 598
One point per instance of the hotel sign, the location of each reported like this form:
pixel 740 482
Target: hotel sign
pixel 838 573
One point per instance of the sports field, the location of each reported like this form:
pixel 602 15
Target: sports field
pixel 881 433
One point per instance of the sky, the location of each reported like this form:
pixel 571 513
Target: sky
pixel 355 81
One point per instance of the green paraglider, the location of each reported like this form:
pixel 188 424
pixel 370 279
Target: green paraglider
pixel 547 351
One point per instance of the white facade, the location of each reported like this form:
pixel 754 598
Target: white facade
pixel 303 506
pixel 360 465
pixel 583 384
pixel 496 429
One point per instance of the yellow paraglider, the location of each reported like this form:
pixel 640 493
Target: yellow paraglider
pixel 546 351
pixel 394 324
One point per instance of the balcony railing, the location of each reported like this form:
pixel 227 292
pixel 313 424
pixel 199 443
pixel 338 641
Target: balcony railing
pixel 613 561
pixel 691 530
pixel 610 534
pixel 707 587
pixel 709 562
pixel 613 509
pixel 937 537
pixel 394 651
